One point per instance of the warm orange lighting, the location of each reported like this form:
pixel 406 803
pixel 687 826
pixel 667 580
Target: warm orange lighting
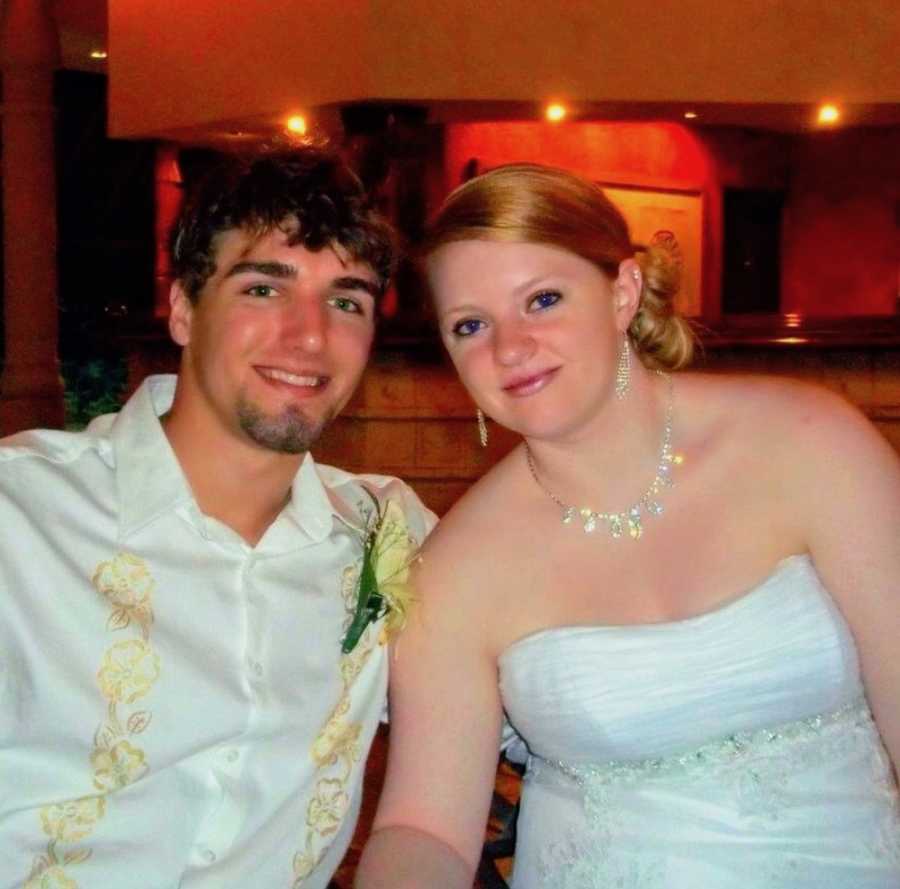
pixel 829 113
pixel 690 115
pixel 555 112
pixel 297 124
pixel 98 54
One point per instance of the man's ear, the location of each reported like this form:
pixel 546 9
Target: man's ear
pixel 627 290
pixel 181 313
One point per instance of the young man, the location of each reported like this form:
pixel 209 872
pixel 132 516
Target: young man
pixel 175 705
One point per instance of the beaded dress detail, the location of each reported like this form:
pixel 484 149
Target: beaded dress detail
pixel 730 749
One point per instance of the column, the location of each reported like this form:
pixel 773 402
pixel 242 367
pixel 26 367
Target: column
pixel 31 391
pixel 169 196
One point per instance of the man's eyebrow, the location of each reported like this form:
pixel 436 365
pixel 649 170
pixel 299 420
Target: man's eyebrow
pixel 352 282
pixel 270 269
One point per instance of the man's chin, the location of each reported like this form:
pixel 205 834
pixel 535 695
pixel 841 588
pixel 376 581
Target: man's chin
pixel 289 432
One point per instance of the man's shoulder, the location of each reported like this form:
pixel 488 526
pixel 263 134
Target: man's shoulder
pixel 342 482
pixel 47 447
pixel 352 488
pixel 43 468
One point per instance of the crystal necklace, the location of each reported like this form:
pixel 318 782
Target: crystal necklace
pixel 631 518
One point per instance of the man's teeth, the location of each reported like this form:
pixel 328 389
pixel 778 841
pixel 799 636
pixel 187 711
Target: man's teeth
pixel 284 377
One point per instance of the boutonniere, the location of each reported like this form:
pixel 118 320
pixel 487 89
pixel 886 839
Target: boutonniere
pixel 383 591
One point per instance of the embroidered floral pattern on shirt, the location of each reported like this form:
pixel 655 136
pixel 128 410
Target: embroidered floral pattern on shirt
pixel 336 748
pixel 127 672
pixel 51 878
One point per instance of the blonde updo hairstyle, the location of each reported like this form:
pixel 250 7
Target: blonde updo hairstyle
pixel 530 203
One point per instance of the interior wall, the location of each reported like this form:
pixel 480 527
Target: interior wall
pixel 841 225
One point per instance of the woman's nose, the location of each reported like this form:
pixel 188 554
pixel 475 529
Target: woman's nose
pixel 513 344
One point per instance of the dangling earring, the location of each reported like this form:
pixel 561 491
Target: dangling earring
pixel 623 370
pixel 482 427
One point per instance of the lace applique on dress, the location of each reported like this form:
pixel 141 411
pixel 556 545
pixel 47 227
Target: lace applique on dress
pixel 756 770
pixel 886 843
pixel 577 864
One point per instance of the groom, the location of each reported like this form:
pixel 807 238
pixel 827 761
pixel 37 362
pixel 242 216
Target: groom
pixel 176 708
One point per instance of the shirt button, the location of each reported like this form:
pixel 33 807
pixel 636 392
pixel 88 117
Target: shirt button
pixel 232 755
pixel 209 856
pixel 256 667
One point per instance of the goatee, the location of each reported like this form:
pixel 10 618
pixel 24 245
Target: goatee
pixel 289 432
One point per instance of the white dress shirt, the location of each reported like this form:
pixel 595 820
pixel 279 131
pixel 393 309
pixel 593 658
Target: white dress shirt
pixel 175 710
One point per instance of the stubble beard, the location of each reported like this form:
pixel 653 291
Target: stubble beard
pixel 289 432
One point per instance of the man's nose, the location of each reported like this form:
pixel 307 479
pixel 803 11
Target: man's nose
pixel 306 325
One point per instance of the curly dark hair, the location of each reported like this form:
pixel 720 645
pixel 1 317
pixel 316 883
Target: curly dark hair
pixel 306 191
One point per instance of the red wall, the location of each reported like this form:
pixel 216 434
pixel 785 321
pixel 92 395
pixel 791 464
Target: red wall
pixel 841 231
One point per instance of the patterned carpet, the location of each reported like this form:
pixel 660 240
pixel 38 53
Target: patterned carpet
pixel 497 858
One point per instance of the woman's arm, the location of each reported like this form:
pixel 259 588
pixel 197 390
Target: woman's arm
pixel 409 858
pixel 850 479
pixel 445 727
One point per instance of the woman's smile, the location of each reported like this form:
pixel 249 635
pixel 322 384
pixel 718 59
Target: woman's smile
pixel 523 386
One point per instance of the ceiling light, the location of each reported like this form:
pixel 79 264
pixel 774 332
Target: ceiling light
pixel 829 114
pixel 297 124
pixel 690 115
pixel 98 54
pixel 556 112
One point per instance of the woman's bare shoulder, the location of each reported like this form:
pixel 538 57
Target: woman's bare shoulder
pixel 800 432
pixel 763 406
pixel 465 551
pixel 478 510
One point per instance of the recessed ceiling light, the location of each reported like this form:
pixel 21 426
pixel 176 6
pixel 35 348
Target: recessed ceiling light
pixel 828 114
pixel 98 54
pixel 690 115
pixel 556 112
pixel 297 124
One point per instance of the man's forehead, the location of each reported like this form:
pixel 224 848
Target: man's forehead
pixel 237 245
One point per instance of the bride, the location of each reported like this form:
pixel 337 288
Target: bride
pixel 682 590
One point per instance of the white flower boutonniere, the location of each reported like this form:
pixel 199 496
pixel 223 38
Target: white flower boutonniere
pixel 388 552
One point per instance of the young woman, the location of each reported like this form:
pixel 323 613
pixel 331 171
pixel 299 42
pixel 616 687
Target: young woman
pixel 683 590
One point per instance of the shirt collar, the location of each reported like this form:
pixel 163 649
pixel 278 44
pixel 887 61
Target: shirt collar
pixel 312 506
pixel 149 479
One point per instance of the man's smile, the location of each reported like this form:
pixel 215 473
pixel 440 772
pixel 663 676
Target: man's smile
pixel 303 380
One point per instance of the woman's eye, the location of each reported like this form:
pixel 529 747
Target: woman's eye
pixel 545 299
pixel 260 290
pixel 346 304
pixel 467 327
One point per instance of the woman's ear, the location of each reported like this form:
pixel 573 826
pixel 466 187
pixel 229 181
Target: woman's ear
pixel 627 290
pixel 181 312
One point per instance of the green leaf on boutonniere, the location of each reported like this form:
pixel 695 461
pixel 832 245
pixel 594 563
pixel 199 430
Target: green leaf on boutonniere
pixel 383 592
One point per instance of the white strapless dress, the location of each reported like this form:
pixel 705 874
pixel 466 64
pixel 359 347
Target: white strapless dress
pixel 733 749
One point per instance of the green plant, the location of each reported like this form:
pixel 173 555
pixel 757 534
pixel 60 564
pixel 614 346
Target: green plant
pixel 92 387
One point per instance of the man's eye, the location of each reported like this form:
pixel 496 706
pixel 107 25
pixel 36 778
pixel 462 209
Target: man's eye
pixel 545 299
pixel 467 327
pixel 260 290
pixel 346 304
